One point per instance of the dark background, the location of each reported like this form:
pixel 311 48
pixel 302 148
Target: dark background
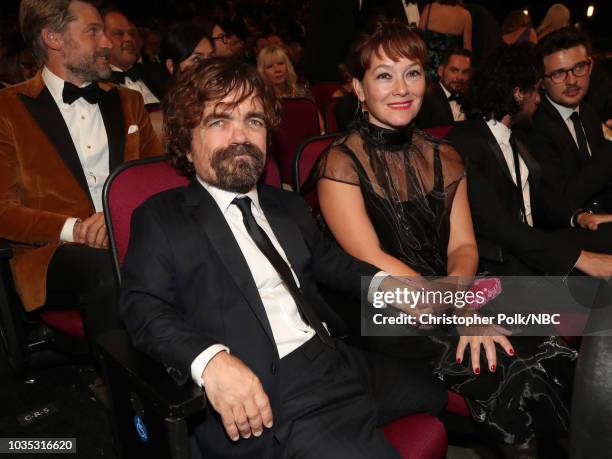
pixel 599 25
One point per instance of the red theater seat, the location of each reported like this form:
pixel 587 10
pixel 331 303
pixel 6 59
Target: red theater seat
pixel 420 436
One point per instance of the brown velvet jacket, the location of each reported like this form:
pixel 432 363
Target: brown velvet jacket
pixel 41 179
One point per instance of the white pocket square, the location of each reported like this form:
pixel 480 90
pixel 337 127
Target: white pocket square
pixel 133 128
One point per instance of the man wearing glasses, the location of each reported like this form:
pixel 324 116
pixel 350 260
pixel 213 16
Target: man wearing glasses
pixel 219 40
pixel 567 136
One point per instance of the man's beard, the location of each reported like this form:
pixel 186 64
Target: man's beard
pixel 85 66
pixel 237 176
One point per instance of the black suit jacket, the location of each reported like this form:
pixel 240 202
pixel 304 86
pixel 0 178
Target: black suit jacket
pixel 579 182
pixel 186 286
pixel 436 109
pixel 495 205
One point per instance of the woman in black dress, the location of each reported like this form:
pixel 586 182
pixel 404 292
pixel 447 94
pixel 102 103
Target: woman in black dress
pixel 397 198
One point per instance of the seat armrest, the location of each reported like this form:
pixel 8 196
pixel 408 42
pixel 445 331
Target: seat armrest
pixel 122 360
pixel 5 250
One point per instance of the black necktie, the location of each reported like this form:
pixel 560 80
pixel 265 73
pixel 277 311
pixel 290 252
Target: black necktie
pixel 91 93
pixel 519 182
pixel 133 74
pixel 580 137
pixel 264 243
pixel 454 96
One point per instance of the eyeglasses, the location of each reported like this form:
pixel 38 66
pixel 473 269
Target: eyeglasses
pixel 578 70
pixel 221 37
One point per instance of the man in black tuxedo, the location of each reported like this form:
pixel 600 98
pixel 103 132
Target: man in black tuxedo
pixel 125 60
pixel 220 284
pixel 441 102
pixel 567 137
pixel 505 190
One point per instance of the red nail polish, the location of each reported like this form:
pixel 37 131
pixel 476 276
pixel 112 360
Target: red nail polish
pixel 458 359
pixel 511 351
pixel 493 368
pixel 477 370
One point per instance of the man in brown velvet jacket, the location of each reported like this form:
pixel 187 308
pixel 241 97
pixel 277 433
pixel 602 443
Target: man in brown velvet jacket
pixel 61 134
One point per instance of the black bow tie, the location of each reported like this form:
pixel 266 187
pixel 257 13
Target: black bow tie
pixel 133 74
pixel 454 96
pixel 91 93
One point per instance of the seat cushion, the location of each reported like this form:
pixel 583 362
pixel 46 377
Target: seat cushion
pixel 67 321
pixel 419 436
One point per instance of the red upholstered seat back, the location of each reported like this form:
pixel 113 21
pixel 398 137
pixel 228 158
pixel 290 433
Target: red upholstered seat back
pixel 439 131
pixel 128 187
pixel 322 93
pixel 419 436
pixel 300 120
pixel 305 159
pixel 330 118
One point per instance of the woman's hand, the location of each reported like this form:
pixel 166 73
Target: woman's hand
pixel 592 221
pixel 487 340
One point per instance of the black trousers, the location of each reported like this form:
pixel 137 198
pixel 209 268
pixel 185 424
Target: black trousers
pixel 334 401
pixel 83 277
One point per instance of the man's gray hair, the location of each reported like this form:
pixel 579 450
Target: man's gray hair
pixel 36 15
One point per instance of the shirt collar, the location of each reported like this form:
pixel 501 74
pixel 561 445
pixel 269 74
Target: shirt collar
pixel 55 84
pixel 224 198
pixel 565 112
pixel 500 131
pixel 446 91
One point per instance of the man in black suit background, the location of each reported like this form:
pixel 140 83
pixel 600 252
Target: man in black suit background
pixel 441 102
pixel 219 283
pixel 125 60
pixel 506 195
pixel 567 137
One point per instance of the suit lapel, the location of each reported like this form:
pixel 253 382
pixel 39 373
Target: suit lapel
pixel 208 215
pixel 494 147
pixel 47 115
pixel 114 123
pixel 559 129
pixel 532 164
pixel 444 103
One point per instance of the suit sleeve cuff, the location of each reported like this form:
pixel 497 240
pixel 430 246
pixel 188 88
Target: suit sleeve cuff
pixel 199 363
pixel 375 284
pixel 67 233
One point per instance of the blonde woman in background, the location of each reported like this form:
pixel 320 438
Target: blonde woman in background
pixel 557 17
pixel 274 65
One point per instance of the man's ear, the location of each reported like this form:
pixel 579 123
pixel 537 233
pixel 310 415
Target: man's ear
pixel 52 40
pixel 189 157
pixel 440 71
pixel 358 90
pixel 170 66
pixel 518 95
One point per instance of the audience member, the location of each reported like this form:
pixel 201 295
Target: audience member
pixel 151 42
pixel 504 179
pixel 184 45
pixel 397 199
pixel 346 81
pixel 445 24
pixel 557 17
pixel 61 134
pixel 274 65
pixel 125 60
pixel 219 39
pixel 441 102
pixel 567 137
pixel 517 28
pixel 256 344
pixel 486 32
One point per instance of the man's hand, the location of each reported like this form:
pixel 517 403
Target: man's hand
pixel 91 231
pixel 592 221
pixel 595 264
pixel 237 395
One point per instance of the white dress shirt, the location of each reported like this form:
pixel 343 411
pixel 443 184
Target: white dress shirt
pixel 138 86
pixel 458 114
pixel 566 113
pixel 502 133
pixel 288 328
pixel 86 126
pixel 412 12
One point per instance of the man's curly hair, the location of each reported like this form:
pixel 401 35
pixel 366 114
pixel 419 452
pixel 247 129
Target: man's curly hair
pixel 491 91
pixel 210 81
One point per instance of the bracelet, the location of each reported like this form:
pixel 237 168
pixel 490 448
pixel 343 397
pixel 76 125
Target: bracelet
pixel 574 219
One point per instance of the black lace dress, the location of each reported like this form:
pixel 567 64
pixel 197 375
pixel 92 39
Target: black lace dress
pixel 408 181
